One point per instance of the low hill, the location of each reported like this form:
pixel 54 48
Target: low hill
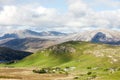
pixel 7 54
pixel 83 56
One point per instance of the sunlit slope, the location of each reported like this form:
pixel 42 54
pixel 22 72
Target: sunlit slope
pixel 100 60
pixel 74 54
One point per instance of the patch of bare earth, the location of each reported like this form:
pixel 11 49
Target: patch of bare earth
pixel 27 74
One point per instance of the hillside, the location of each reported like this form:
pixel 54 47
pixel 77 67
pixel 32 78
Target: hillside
pixel 27 44
pixel 83 56
pixel 7 54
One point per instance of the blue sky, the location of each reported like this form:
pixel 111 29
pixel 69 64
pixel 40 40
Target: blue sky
pixel 62 4
pixel 49 3
pixel 59 15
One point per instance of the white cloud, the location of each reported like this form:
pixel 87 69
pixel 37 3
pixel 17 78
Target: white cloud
pixel 83 16
pixel 106 3
pixel 32 16
pixel 6 1
pixel 78 16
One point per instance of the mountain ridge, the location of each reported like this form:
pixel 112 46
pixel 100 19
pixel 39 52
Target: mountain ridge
pixel 28 44
pixel 35 43
pixel 110 36
pixel 29 33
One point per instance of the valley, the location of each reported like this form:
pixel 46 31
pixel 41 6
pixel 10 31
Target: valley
pixel 73 57
pixel 59 39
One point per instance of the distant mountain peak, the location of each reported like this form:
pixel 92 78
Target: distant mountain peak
pixel 101 35
pixel 29 33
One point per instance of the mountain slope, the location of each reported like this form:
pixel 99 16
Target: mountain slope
pixel 7 54
pixel 73 50
pixel 27 44
pixel 97 36
pixel 85 57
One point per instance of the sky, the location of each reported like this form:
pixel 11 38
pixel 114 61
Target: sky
pixel 59 15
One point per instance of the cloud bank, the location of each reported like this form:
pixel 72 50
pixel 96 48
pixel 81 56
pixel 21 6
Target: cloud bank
pixel 78 16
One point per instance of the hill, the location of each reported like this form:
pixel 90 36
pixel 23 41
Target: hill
pixel 85 57
pixel 7 54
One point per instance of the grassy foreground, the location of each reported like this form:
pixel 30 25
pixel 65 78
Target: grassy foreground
pixel 89 60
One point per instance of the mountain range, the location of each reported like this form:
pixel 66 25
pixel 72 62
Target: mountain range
pixel 27 40
pixel 29 33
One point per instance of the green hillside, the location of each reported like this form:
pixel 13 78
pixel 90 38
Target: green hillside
pixel 97 59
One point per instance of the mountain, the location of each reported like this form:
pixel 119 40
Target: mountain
pixel 29 40
pixel 27 44
pixel 33 44
pixel 52 33
pixel 9 36
pixel 7 54
pixel 80 58
pixel 97 36
pixel 29 33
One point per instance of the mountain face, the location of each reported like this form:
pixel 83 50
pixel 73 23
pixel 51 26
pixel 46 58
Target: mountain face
pixel 27 44
pixel 7 54
pixel 9 36
pixel 99 37
pixel 96 36
pixel 29 33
